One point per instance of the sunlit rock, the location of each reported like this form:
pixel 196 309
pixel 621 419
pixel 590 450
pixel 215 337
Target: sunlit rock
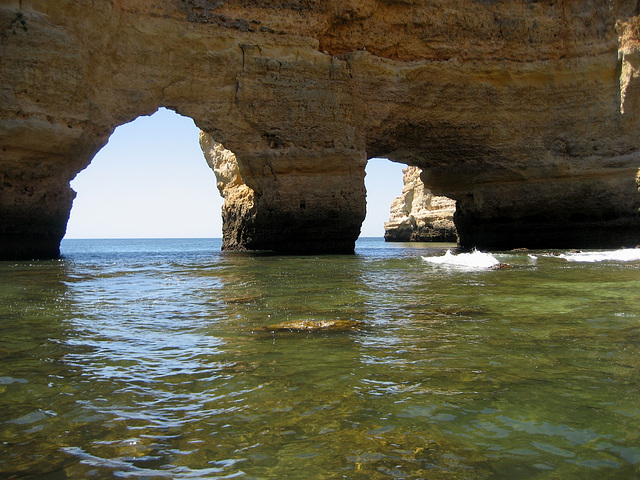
pixel 239 199
pixel 525 113
pixel 419 216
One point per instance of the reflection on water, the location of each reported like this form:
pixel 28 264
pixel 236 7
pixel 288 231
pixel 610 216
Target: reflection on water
pixel 149 359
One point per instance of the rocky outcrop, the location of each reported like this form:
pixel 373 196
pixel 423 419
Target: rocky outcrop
pixel 238 210
pixel 419 216
pixel 525 113
pixel 292 210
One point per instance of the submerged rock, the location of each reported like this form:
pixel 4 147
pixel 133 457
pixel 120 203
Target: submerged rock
pixel 315 326
pixel 501 266
pixel 242 299
pixel 454 310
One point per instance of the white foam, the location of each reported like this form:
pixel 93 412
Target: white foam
pixel 464 261
pixel 622 255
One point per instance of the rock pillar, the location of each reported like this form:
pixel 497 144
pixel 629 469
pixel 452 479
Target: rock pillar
pixel 35 196
pixel 295 204
pixel 34 214
pixel 577 203
pixel 419 216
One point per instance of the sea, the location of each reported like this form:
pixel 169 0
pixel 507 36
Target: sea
pixel 170 359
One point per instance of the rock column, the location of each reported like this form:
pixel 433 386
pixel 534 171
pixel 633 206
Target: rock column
pixel 419 216
pixel 34 215
pixel 299 181
pixel 294 204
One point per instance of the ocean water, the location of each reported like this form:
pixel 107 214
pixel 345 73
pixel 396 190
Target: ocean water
pixel 154 359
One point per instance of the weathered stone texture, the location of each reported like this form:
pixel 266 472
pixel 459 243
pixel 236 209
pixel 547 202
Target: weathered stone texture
pixel 247 213
pixel 525 113
pixel 419 216
pixel 239 208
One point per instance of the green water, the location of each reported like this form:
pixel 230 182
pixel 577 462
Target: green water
pixel 151 359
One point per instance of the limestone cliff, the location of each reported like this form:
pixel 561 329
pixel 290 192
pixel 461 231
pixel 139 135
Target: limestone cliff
pixel 238 209
pixel 419 216
pixel 525 113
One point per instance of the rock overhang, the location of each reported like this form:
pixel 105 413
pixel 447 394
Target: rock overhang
pixel 523 112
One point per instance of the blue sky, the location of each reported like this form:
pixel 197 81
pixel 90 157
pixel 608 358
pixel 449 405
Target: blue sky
pixel 151 181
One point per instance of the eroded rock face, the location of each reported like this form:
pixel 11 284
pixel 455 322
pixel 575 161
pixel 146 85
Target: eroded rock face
pixel 419 216
pixel 525 113
pixel 239 208
pixel 296 211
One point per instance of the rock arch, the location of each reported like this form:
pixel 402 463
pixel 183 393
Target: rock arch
pixel 149 180
pixel 526 113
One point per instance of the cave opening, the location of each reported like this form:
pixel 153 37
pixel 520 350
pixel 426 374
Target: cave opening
pixel 150 181
pixel 383 183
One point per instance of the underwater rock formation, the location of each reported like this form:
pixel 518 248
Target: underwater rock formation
pixel 419 216
pixel 525 113
pixel 324 326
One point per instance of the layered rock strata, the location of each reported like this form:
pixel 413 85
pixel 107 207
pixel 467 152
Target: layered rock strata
pixel 323 216
pixel 525 113
pixel 419 216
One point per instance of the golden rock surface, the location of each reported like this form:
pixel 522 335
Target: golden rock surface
pixel 525 113
pixel 419 216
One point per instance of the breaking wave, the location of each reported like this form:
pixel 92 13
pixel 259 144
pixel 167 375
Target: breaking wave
pixel 622 255
pixel 464 261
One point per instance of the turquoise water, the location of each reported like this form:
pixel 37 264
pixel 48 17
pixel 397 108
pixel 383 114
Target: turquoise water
pixel 153 359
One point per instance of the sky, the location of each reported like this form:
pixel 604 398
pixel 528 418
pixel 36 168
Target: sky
pixel 151 181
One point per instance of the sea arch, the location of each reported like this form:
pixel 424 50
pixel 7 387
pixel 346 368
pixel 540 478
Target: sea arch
pixel 528 122
pixel 150 180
